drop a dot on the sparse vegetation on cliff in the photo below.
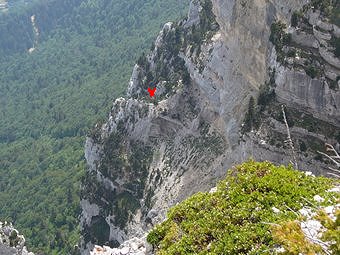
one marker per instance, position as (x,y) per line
(169,68)
(279,38)
(52,97)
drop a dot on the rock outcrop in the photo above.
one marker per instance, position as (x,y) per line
(153,153)
(11,242)
(308,71)
(134,246)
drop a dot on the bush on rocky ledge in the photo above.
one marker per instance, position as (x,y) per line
(239,217)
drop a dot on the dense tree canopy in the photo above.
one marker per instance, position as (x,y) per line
(50,98)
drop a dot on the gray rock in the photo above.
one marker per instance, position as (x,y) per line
(134,88)
(329,57)
(7,235)
(92,153)
(5,250)
(325,25)
(152,214)
(235,63)
(193,14)
(88,211)
(331,73)
(336,31)
(313,17)
(321,36)
(304,39)
(297,89)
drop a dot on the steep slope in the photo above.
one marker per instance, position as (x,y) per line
(51,97)
(153,153)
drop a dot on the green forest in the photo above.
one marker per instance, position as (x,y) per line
(52,97)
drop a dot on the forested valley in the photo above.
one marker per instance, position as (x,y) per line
(54,86)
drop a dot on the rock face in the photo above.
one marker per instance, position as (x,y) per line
(11,242)
(308,77)
(297,89)
(134,246)
(194,14)
(153,153)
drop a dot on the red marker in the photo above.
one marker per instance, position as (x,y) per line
(152,92)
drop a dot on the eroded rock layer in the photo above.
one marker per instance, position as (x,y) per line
(154,152)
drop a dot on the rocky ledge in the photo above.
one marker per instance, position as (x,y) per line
(11,242)
(134,246)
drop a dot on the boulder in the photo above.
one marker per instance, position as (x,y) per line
(329,57)
(304,39)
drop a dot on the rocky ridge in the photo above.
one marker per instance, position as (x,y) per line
(308,71)
(153,153)
(134,246)
(11,242)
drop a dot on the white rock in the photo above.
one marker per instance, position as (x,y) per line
(336,31)
(280,250)
(306,212)
(318,199)
(330,210)
(96,250)
(125,250)
(25,252)
(134,246)
(275,210)
(213,190)
(263,142)
(311,228)
(335,189)
(308,173)
(139,253)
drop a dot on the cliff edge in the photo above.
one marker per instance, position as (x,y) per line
(154,152)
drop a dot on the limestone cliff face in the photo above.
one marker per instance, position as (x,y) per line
(309,76)
(154,152)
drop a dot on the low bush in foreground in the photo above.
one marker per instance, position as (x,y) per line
(239,218)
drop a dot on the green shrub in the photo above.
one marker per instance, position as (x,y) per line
(279,38)
(267,95)
(234,220)
(312,71)
(291,53)
(13,239)
(295,18)
(251,118)
(303,146)
(277,33)
(335,42)
(337,137)
(335,15)
(293,239)
(324,5)
(332,234)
